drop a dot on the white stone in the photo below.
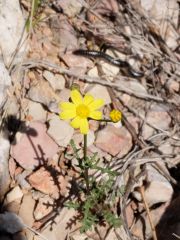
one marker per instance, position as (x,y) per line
(60,131)
(4,167)
(12,24)
(90,138)
(57,81)
(5,81)
(37,111)
(99,91)
(15,193)
(159,190)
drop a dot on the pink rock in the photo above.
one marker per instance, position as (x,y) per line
(44,207)
(34,146)
(49,181)
(114,140)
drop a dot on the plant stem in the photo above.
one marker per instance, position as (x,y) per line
(148,213)
(86,177)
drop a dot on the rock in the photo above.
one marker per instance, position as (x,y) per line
(93,72)
(62,27)
(114,141)
(35,140)
(109,70)
(36,111)
(40,91)
(21,179)
(56,81)
(71,8)
(90,138)
(26,209)
(12,167)
(11,27)
(44,207)
(77,64)
(142,226)
(4,168)
(5,81)
(13,206)
(14,194)
(158,117)
(172,85)
(60,130)
(160,12)
(158,190)
(99,91)
(65,217)
(55,185)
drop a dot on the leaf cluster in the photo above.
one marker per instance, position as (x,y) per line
(95,208)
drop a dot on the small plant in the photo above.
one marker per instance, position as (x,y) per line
(35,14)
(92,202)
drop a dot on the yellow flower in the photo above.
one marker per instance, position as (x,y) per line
(115,115)
(80,109)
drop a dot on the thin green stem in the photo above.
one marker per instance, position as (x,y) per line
(86,167)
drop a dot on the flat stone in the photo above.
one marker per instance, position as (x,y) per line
(14,194)
(99,91)
(31,149)
(157,184)
(54,185)
(27,209)
(114,140)
(60,131)
(158,117)
(56,81)
(4,168)
(44,206)
(42,92)
(36,111)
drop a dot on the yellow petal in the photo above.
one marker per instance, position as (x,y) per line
(76,97)
(75,123)
(96,115)
(68,114)
(67,106)
(88,99)
(96,104)
(84,126)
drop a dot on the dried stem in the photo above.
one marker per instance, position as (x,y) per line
(148,213)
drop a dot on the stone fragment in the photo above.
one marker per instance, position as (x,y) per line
(159,190)
(42,92)
(60,130)
(99,91)
(114,140)
(172,85)
(34,146)
(12,24)
(26,209)
(157,117)
(71,8)
(44,206)
(55,185)
(4,168)
(56,81)
(36,111)
(14,194)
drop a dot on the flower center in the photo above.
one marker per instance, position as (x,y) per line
(82,111)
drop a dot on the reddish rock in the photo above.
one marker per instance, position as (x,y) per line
(114,140)
(49,181)
(34,146)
